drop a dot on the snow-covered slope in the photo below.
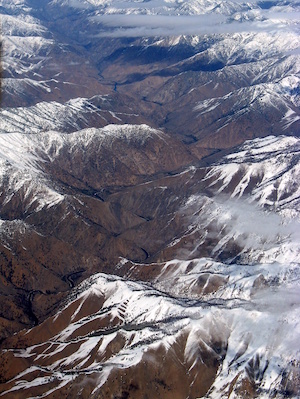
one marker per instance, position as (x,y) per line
(21,174)
(266,170)
(33,163)
(71,116)
(26,47)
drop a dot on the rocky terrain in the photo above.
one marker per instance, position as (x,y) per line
(149,201)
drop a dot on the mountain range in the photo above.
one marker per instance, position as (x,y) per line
(149,201)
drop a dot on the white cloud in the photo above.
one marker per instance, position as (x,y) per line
(135,25)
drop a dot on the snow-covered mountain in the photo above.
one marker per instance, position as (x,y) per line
(149,199)
(205,327)
(112,329)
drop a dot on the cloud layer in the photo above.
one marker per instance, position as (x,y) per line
(129,18)
(134,25)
